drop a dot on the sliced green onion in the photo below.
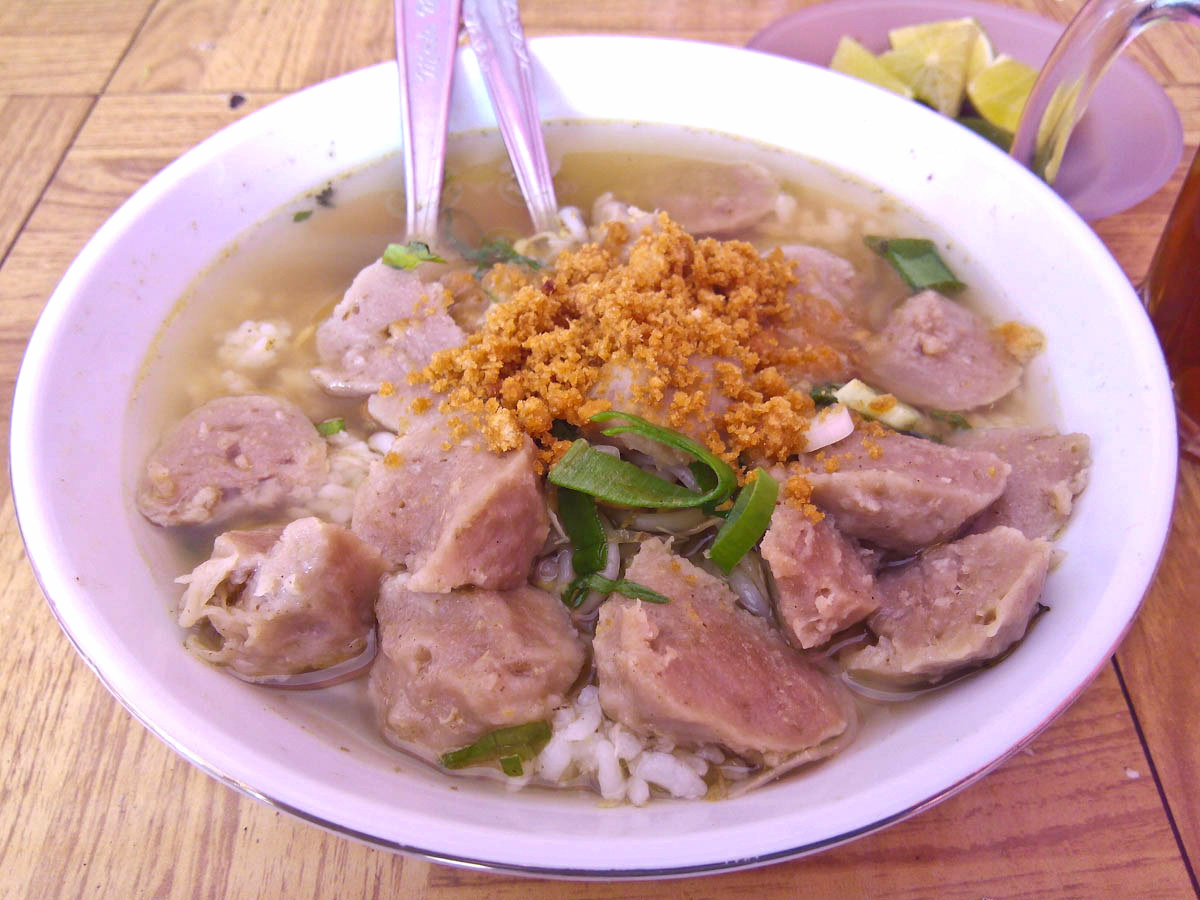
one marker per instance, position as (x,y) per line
(331,426)
(410,255)
(563,430)
(747,521)
(707,479)
(726,480)
(511,766)
(498,251)
(587,470)
(581,521)
(517,741)
(863,399)
(824,394)
(953,419)
(302,215)
(581,586)
(917,261)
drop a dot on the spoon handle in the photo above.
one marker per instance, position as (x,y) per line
(426,40)
(499,43)
(1093,39)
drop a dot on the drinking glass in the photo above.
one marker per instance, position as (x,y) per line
(1093,39)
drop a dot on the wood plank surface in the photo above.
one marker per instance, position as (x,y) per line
(1104,803)
(34,134)
(64,46)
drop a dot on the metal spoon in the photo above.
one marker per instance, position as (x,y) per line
(499,43)
(426,41)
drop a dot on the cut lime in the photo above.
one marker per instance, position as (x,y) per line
(983,54)
(852,58)
(932,60)
(982,51)
(999,92)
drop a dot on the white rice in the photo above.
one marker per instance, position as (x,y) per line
(254,346)
(586,747)
(350,459)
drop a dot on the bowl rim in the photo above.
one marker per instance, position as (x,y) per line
(37,531)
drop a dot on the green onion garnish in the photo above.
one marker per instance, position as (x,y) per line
(511,766)
(823,394)
(498,251)
(726,480)
(747,521)
(302,215)
(587,470)
(579,588)
(564,430)
(410,255)
(331,426)
(505,744)
(917,261)
(581,521)
(953,419)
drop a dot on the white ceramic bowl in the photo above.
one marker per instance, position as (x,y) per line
(107,573)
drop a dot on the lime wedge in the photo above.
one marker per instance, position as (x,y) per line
(932,59)
(852,58)
(982,52)
(999,92)
(899,38)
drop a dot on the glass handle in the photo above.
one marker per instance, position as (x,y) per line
(1092,41)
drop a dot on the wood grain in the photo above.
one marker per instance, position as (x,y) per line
(96,806)
(64,46)
(34,134)
(1160,660)
(247,45)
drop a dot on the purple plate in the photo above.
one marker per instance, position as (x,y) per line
(1127,145)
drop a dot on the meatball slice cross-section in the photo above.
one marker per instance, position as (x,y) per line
(274,602)
(388,324)
(955,606)
(454,667)
(701,670)
(1049,470)
(823,583)
(901,492)
(232,457)
(451,512)
(935,352)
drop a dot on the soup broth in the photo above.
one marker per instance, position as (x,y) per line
(266,298)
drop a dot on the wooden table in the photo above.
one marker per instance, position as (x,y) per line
(95,97)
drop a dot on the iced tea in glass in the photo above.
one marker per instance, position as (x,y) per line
(1171,293)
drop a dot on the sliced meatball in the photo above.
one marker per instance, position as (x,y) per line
(901,492)
(820,273)
(232,457)
(935,352)
(451,512)
(388,324)
(1049,470)
(706,197)
(701,670)
(453,667)
(715,197)
(277,601)
(624,385)
(955,606)
(823,583)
